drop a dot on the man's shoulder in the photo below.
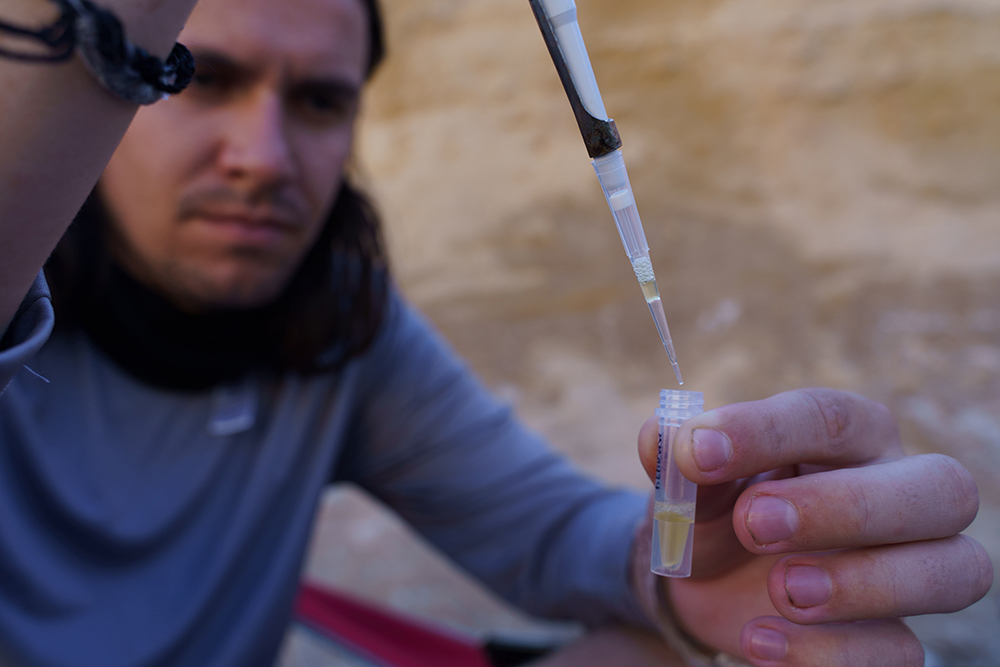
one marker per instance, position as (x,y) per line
(27,332)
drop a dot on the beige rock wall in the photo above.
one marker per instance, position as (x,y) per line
(819,181)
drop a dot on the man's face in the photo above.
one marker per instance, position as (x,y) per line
(217,194)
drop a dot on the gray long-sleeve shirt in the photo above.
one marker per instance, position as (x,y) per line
(140,526)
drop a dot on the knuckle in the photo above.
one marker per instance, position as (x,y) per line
(833,417)
(850,421)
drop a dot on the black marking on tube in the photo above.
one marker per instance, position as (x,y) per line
(599,136)
(659,455)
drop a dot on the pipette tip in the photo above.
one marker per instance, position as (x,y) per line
(672,356)
(656,310)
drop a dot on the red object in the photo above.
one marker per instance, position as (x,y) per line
(385,636)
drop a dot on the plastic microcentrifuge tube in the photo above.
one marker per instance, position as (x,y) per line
(674,499)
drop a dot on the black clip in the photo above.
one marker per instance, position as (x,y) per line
(600,136)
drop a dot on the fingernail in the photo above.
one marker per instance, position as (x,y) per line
(712,449)
(771,519)
(767,644)
(807,586)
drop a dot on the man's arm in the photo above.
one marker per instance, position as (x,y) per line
(453,462)
(58,129)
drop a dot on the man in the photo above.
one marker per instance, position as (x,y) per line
(231,343)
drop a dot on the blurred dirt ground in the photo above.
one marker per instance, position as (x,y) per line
(819,181)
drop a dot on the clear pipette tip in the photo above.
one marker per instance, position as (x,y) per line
(677,371)
(656,310)
(669,345)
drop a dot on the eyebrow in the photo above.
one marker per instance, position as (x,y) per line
(216,60)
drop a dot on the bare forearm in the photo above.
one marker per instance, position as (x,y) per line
(58,129)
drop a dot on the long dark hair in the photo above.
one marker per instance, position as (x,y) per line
(330,311)
(376,36)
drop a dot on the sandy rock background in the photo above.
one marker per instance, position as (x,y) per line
(819,181)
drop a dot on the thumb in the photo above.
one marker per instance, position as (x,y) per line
(716,547)
(713,501)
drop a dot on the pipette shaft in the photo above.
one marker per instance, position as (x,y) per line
(611,173)
(557,20)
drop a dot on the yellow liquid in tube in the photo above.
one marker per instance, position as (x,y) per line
(649,290)
(673,530)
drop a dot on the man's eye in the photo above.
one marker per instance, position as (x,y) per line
(324,107)
(210,80)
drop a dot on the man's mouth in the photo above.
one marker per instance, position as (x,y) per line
(254,222)
(245,228)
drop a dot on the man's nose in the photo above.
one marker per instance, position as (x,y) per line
(257,147)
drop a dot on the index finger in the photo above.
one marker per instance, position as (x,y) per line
(822,427)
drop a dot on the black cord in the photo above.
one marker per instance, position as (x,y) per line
(125,69)
(59,38)
(117,53)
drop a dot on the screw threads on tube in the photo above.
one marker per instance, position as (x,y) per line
(677,406)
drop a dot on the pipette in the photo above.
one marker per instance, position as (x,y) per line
(557,20)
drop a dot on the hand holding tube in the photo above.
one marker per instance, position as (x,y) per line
(815,533)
